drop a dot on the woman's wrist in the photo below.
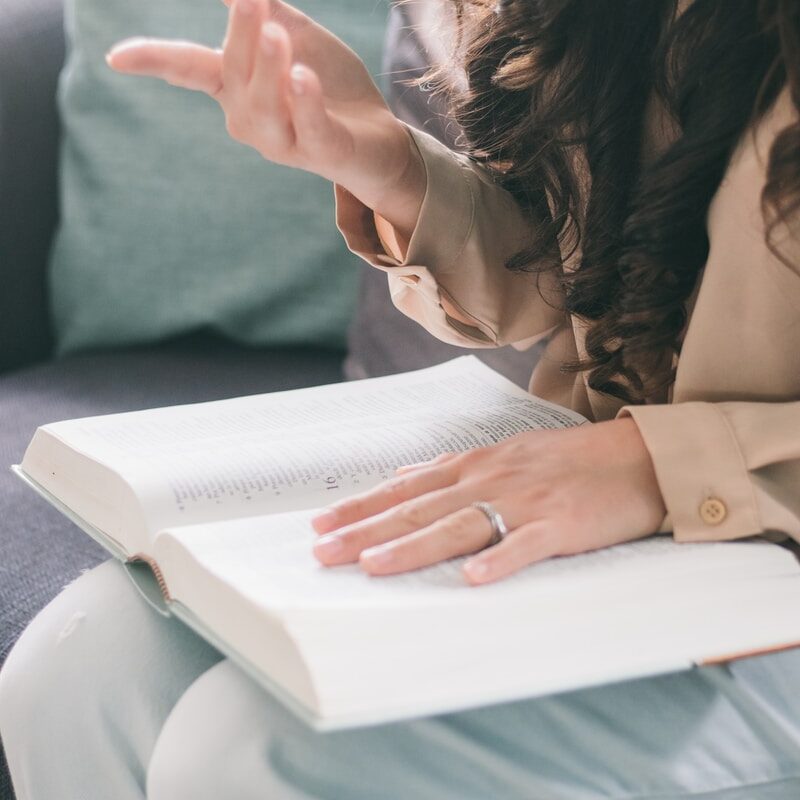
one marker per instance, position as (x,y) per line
(402,203)
(399,195)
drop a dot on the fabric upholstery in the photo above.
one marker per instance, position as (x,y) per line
(405,61)
(31,53)
(167,223)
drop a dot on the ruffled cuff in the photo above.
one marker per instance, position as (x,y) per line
(451,275)
(435,248)
(445,218)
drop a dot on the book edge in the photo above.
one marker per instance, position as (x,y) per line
(716,661)
(103,539)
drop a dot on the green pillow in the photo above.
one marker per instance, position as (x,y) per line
(167,225)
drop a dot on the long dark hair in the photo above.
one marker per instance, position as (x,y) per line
(552,97)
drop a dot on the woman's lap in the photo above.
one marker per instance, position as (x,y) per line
(101,691)
(663,738)
(86,690)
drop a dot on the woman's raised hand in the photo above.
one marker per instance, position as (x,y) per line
(293,91)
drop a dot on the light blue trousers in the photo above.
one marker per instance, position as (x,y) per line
(102,699)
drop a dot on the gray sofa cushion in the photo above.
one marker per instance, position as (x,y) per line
(31,51)
(405,61)
(39,550)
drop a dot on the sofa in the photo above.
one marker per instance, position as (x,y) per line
(40,552)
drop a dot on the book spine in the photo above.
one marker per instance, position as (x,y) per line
(157,574)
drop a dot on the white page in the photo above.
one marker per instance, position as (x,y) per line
(300,449)
(270,559)
(423,642)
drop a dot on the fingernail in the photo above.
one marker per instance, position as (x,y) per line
(328,546)
(270,34)
(476,570)
(298,79)
(126,44)
(324,521)
(380,556)
(415,465)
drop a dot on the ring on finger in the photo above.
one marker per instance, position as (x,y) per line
(499,528)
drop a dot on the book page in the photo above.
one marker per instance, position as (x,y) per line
(376,649)
(305,448)
(270,559)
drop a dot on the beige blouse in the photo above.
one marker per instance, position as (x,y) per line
(726,445)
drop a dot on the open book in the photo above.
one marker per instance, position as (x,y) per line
(215,499)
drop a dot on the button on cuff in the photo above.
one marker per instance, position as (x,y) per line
(702,474)
(713,511)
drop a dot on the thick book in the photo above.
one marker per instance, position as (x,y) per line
(209,507)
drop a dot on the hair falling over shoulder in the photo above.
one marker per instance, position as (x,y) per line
(553,96)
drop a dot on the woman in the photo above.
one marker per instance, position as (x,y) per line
(632,196)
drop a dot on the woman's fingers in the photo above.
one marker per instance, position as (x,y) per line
(262,90)
(438,527)
(184,64)
(440,459)
(268,91)
(346,544)
(388,495)
(241,42)
(526,545)
(315,132)
(458,534)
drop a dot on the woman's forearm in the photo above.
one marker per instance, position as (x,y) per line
(397,199)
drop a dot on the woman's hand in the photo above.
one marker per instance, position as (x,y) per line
(297,94)
(559,492)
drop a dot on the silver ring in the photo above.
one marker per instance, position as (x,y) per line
(499,527)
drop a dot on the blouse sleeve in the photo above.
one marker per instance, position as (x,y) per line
(451,276)
(731,468)
(725,470)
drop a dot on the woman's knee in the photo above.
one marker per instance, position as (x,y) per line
(53,682)
(217,742)
(227,737)
(59,653)
(96,657)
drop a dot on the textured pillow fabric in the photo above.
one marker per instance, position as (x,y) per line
(167,225)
